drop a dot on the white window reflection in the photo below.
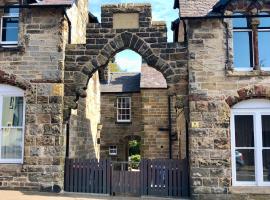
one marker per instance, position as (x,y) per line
(11,124)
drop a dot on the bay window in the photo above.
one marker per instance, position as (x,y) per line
(10,27)
(250,132)
(251,37)
(11,124)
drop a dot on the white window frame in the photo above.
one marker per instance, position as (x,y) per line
(8,15)
(7,90)
(256,108)
(113,150)
(124,120)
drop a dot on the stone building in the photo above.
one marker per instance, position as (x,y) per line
(34,35)
(134,106)
(228,65)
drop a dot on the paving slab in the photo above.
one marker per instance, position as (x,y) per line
(27,195)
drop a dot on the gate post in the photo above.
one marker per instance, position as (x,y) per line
(144,175)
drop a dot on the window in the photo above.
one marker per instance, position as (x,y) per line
(123,109)
(250,132)
(11,124)
(113,150)
(250,41)
(10,27)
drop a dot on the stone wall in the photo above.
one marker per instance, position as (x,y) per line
(38,60)
(78,15)
(114,133)
(84,123)
(209,86)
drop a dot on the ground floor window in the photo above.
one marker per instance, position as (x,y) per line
(11,124)
(250,131)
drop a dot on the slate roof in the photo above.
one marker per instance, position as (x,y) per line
(197,8)
(121,82)
(149,78)
(53,2)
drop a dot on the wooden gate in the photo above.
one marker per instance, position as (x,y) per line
(163,178)
(87,176)
(125,179)
(166,178)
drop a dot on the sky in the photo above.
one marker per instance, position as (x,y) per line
(162,10)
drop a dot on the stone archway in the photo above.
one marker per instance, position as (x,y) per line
(149,40)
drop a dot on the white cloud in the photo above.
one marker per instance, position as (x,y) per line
(129,61)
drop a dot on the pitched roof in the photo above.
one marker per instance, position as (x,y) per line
(53,2)
(151,78)
(121,82)
(196,8)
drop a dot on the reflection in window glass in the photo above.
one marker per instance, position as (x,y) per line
(239,22)
(11,143)
(242,49)
(10,29)
(264,21)
(244,131)
(245,166)
(264,48)
(12,112)
(266,165)
(266,130)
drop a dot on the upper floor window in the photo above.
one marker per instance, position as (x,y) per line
(251,37)
(10,26)
(11,124)
(250,132)
(123,109)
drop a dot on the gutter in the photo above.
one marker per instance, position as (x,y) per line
(222,17)
(170,127)
(36,6)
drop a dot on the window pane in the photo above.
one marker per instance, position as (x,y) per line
(239,22)
(11,11)
(12,111)
(244,136)
(242,49)
(266,165)
(10,29)
(264,48)
(266,130)
(11,145)
(245,168)
(264,21)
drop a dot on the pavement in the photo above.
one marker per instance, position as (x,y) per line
(27,195)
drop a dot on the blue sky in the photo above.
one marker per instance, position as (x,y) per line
(162,10)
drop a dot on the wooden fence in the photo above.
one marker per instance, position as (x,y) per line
(166,178)
(87,176)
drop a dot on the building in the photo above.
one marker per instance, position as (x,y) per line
(134,106)
(228,96)
(32,53)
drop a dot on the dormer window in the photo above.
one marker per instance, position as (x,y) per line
(10,27)
(251,37)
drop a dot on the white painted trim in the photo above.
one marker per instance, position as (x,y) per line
(7,90)
(121,120)
(1,38)
(248,107)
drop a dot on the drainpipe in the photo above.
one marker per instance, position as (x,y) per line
(67,139)
(69,26)
(170,127)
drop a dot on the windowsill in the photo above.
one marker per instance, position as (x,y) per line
(10,48)
(10,167)
(123,122)
(235,73)
(249,190)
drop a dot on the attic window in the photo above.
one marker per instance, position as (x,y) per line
(10,27)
